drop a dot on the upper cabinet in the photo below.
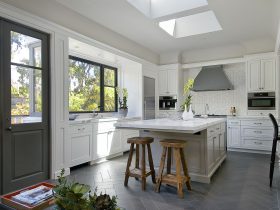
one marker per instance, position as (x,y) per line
(170,80)
(261,75)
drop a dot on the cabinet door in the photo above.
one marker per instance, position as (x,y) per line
(222,143)
(233,136)
(172,81)
(163,83)
(80,149)
(101,145)
(254,75)
(210,153)
(268,74)
(216,141)
(114,142)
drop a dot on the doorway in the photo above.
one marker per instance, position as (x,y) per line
(24,106)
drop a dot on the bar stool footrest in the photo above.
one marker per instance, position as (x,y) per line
(171,179)
(136,172)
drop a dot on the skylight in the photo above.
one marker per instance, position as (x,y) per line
(200,23)
(160,8)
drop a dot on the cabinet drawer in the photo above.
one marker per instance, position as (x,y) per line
(233,122)
(257,132)
(81,129)
(212,130)
(102,127)
(256,123)
(251,143)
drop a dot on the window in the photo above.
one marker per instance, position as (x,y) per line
(92,86)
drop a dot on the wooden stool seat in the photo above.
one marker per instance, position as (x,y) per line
(176,179)
(174,143)
(140,140)
(138,172)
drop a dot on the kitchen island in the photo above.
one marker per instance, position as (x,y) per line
(205,149)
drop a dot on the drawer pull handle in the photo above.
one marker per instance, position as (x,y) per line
(259,143)
(258,132)
(258,123)
(217,129)
(211,131)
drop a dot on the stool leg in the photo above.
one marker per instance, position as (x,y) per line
(185,168)
(128,164)
(169,160)
(137,159)
(143,164)
(178,173)
(151,163)
(161,167)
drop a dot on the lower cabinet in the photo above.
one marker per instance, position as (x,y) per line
(250,134)
(107,143)
(80,144)
(215,144)
(125,134)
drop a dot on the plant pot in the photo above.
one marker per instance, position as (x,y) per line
(123,112)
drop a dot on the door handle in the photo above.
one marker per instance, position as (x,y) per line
(9,128)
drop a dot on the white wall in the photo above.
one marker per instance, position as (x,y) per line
(220,101)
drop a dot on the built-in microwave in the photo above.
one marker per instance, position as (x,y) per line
(167,102)
(261,101)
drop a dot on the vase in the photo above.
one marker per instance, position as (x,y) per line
(123,112)
(187,114)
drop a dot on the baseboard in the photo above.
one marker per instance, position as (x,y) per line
(249,150)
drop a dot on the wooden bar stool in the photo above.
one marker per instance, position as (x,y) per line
(138,172)
(173,179)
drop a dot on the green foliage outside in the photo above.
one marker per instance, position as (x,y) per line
(84,93)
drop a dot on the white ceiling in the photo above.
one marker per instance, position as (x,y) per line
(242,21)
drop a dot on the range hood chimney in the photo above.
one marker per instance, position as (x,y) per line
(212,78)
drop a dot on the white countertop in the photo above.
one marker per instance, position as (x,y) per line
(103,119)
(169,125)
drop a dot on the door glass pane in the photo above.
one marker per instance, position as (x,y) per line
(25,50)
(26,95)
(109,99)
(109,77)
(84,90)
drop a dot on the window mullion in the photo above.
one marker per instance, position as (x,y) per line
(102,103)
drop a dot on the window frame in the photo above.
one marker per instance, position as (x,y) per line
(102,84)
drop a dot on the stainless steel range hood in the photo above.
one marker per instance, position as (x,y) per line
(212,78)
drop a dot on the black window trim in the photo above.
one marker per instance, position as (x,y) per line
(102,85)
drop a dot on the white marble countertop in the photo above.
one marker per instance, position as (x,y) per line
(169,125)
(102,119)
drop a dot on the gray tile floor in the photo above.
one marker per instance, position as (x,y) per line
(240,183)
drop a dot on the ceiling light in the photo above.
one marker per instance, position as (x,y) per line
(168,26)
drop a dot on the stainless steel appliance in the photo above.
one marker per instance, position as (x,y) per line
(149,98)
(261,101)
(167,102)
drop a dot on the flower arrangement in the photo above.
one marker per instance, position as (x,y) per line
(187,89)
(76,196)
(124,93)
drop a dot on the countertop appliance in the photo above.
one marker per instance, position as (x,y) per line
(261,101)
(167,102)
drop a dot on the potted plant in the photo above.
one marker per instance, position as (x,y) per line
(186,106)
(122,94)
(76,196)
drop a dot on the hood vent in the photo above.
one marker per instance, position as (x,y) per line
(212,78)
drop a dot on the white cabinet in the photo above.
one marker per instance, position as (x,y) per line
(261,75)
(168,82)
(233,136)
(125,134)
(250,134)
(80,144)
(106,143)
(210,152)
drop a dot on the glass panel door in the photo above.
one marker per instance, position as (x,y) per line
(26,79)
